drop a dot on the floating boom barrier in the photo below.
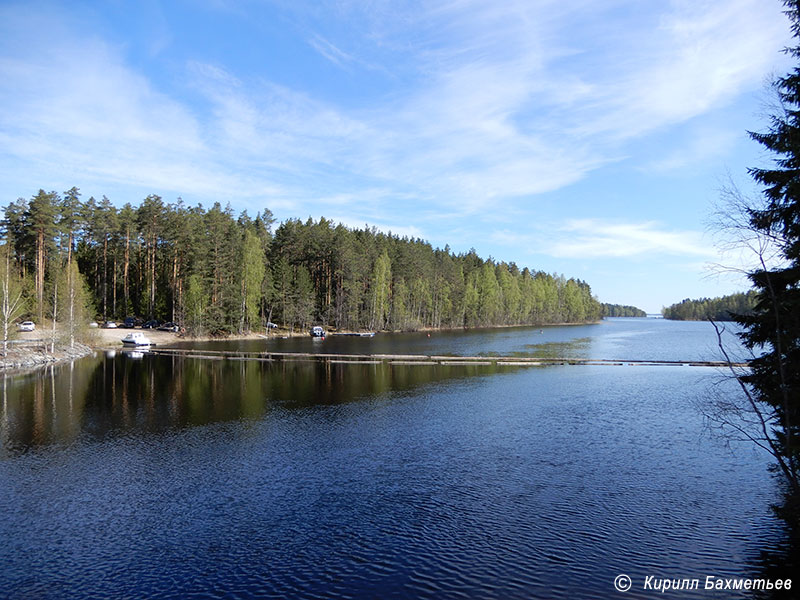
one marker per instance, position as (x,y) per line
(426,360)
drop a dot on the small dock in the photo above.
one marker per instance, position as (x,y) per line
(425,360)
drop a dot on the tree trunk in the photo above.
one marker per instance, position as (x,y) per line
(126,265)
(105,275)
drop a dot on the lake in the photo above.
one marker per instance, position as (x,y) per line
(146,476)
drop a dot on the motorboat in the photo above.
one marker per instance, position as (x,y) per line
(317,332)
(137,339)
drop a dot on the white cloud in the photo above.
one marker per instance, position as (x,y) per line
(497,101)
(702,145)
(588,239)
(329,51)
(582,238)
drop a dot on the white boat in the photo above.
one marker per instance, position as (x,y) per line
(317,332)
(136,338)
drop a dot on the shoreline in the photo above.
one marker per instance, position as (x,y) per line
(24,356)
(31,356)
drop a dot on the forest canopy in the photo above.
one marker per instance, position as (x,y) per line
(622,310)
(716,309)
(212,271)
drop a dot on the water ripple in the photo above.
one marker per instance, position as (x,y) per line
(532,483)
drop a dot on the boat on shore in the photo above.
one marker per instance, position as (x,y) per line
(136,339)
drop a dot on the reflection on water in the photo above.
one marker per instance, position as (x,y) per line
(576,348)
(45,405)
(138,390)
(781,560)
(168,477)
(617,339)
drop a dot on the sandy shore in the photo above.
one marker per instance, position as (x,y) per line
(111,338)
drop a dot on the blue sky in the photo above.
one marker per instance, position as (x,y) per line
(584,137)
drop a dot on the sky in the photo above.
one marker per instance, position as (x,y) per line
(585,137)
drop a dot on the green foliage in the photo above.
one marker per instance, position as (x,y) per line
(13,302)
(216,273)
(723,308)
(622,310)
(74,306)
(381,286)
(196,302)
(253,270)
(772,327)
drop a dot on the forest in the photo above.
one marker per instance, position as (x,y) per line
(622,310)
(214,272)
(716,309)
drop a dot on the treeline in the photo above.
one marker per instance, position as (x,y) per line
(718,309)
(622,310)
(212,271)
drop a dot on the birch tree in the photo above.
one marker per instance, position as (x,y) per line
(12,301)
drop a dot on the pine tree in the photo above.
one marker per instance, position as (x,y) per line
(774,325)
(40,225)
(381,287)
(69,220)
(150,217)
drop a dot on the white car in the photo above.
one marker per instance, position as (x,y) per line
(27,326)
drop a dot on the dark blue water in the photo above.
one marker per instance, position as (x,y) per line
(164,477)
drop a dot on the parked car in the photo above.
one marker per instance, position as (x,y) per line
(27,326)
(129,323)
(94,324)
(152,324)
(174,327)
(109,325)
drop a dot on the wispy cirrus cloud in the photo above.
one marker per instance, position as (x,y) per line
(330,52)
(485,102)
(594,238)
(591,239)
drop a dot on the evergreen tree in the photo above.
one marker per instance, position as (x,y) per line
(303,298)
(143,260)
(282,282)
(774,324)
(69,220)
(40,227)
(126,232)
(381,285)
(150,218)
